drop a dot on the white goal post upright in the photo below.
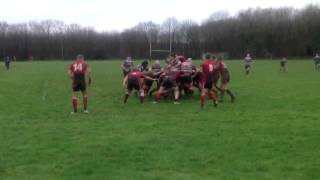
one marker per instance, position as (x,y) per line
(169,51)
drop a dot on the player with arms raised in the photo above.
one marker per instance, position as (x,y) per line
(78,71)
(208,70)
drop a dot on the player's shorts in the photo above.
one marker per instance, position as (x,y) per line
(133,83)
(168,83)
(208,82)
(247,66)
(185,79)
(283,64)
(79,84)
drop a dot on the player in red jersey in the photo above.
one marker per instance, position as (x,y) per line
(135,80)
(208,88)
(225,79)
(78,71)
(169,84)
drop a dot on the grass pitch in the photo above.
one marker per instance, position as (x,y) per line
(271,132)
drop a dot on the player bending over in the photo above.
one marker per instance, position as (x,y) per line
(248,63)
(208,68)
(317,61)
(169,84)
(225,79)
(78,71)
(188,70)
(134,80)
(156,71)
(283,64)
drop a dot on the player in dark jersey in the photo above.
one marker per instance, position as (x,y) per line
(134,81)
(127,66)
(7,61)
(225,79)
(317,61)
(208,88)
(283,64)
(144,66)
(78,71)
(169,84)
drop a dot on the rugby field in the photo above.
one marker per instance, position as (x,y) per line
(271,132)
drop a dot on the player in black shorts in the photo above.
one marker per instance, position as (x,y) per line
(283,64)
(78,71)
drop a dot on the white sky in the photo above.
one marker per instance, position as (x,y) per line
(121,14)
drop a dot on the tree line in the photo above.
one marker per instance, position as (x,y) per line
(265,33)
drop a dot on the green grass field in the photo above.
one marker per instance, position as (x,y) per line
(271,132)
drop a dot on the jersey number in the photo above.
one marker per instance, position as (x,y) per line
(77,67)
(210,67)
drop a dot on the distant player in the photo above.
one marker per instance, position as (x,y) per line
(78,71)
(208,70)
(169,84)
(134,81)
(127,66)
(283,64)
(225,79)
(248,63)
(7,61)
(317,61)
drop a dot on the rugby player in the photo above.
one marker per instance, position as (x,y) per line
(188,70)
(208,70)
(225,79)
(78,71)
(317,61)
(134,80)
(7,61)
(127,66)
(144,66)
(283,64)
(156,71)
(169,84)
(247,63)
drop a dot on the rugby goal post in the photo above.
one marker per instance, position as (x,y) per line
(159,51)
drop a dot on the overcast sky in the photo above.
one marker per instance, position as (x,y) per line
(121,14)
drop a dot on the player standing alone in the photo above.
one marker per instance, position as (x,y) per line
(317,61)
(208,70)
(7,62)
(78,71)
(283,64)
(247,63)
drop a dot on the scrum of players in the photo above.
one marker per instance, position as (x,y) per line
(179,76)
